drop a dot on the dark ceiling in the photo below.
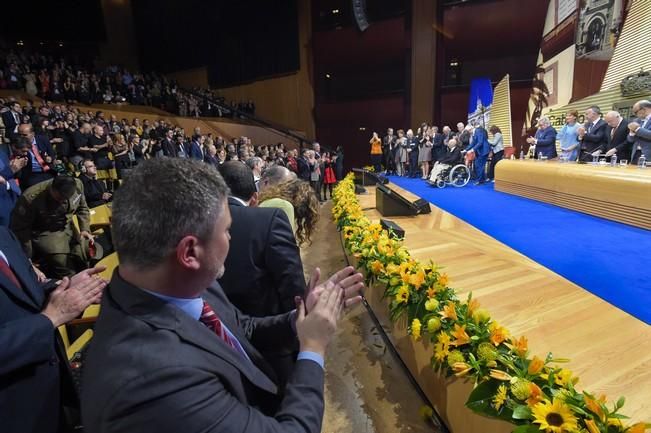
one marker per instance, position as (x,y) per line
(486,29)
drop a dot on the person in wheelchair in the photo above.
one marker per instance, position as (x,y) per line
(449,160)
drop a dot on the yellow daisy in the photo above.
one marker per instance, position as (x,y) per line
(554,417)
(441,352)
(403,295)
(500,398)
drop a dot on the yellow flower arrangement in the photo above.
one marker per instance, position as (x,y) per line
(542,395)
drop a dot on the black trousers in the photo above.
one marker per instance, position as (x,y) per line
(497,157)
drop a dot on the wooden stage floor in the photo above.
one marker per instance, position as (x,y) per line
(609,349)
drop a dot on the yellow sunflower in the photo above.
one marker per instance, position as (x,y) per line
(500,398)
(554,417)
(403,295)
(441,352)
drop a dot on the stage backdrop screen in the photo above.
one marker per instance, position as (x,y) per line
(480,102)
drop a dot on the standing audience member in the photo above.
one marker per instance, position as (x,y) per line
(402,153)
(425,153)
(497,148)
(568,137)
(388,147)
(412,150)
(329,177)
(196,353)
(339,162)
(305,165)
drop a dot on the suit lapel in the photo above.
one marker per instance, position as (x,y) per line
(159,314)
(29,293)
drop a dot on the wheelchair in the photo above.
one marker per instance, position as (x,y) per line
(457,176)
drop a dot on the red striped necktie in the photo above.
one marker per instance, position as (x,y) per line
(6,270)
(212,322)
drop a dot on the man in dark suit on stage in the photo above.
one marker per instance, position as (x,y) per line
(593,136)
(169,355)
(545,139)
(264,271)
(35,383)
(617,134)
(640,131)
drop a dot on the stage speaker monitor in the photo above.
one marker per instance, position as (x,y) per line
(359,11)
(366,178)
(422,206)
(359,189)
(395,231)
(390,203)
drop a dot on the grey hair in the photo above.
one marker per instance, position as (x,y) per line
(160,202)
(644,103)
(275,175)
(545,120)
(253,161)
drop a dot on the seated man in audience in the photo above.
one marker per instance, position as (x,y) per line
(197,367)
(39,156)
(449,160)
(640,131)
(81,148)
(593,136)
(34,371)
(99,146)
(617,133)
(94,190)
(42,222)
(264,271)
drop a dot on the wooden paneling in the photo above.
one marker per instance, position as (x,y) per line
(501,110)
(617,193)
(588,76)
(631,53)
(608,348)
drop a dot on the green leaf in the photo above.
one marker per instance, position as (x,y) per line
(484,391)
(521,412)
(527,428)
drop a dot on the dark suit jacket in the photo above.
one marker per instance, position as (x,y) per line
(596,139)
(169,147)
(546,143)
(304,168)
(618,140)
(9,196)
(452,157)
(93,191)
(27,177)
(194,151)
(152,368)
(44,146)
(10,123)
(263,267)
(31,382)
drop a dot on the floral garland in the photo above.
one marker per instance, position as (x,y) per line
(533,393)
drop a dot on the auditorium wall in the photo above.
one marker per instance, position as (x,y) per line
(119,47)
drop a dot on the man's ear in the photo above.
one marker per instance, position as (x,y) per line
(253,201)
(187,252)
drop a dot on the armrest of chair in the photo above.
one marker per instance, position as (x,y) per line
(79,344)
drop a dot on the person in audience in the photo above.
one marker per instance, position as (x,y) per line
(617,136)
(481,148)
(376,152)
(338,159)
(198,362)
(497,149)
(640,131)
(121,150)
(317,172)
(256,165)
(425,153)
(196,147)
(273,176)
(42,222)
(544,140)
(168,144)
(94,190)
(264,271)
(37,393)
(304,204)
(9,189)
(21,158)
(464,136)
(388,146)
(412,150)
(211,157)
(568,137)
(12,119)
(41,157)
(80,144)
(99,147)
(593,136)
(329,177)
(449,160)
(402,154)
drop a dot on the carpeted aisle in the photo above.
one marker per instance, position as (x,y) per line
(607,258)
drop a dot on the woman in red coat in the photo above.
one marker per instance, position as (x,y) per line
(329,177)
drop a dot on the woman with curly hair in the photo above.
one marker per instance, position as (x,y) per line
(304,202)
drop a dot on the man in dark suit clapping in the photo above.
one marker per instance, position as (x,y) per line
(617,133)
(35,383)
(170,352)
(593,136)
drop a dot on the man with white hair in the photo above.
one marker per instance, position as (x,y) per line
(640,131)
(593,136)
(617,134)
(545,139)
